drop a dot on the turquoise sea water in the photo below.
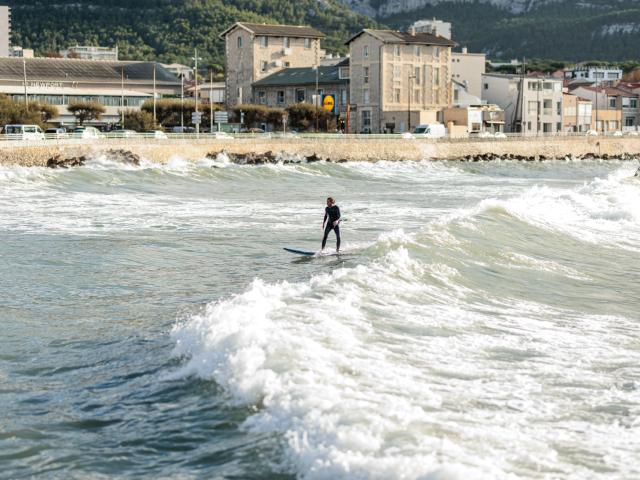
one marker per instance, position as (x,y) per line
(485,323)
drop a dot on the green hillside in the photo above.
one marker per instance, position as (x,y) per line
(563,30)
(168,30)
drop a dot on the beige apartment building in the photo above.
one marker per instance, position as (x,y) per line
(254,51)
(398,80)
(577,113)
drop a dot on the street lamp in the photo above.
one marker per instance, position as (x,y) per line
(411,78)
(195,71)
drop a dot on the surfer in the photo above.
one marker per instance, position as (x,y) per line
(332,214)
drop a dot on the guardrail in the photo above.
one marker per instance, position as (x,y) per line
(163,137)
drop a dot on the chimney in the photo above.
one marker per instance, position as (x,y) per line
(464,50)
(412,31)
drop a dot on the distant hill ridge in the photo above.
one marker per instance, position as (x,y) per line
(559,29)
(168,30)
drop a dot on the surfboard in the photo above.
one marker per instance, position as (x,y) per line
(300,252)
(304,253)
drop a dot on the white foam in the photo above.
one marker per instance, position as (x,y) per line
(377,372)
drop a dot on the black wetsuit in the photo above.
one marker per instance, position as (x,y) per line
(333,214)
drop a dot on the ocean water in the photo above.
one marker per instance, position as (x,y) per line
(484,322)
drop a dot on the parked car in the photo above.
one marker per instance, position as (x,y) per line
(180,129)
(24,132)
(159,134)
(56,132)
(591,133)
(632,133)
(499,135)
(222,136)
(483,134)
(617,133)
(87,132)
(122,133)
(430,130)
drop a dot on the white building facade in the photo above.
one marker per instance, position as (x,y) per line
(532,105)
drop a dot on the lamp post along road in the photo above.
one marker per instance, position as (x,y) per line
(411,77)
(195,58)
(122,97)
(211,100)
(24,68)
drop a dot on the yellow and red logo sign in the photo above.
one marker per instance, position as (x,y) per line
(329,103)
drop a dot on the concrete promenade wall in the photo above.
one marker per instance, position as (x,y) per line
(351,149)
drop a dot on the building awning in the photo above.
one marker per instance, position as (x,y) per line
(107,92)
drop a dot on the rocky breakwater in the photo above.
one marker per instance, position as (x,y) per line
(488,157)
(268,157)
(122,156)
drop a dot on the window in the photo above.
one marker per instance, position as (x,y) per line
(416,74)
(629,122)
(416,96)
(366,74)
(300,95)
(559,108)
(365,51)
(436,76)
(264,66)
(264,42)
(486,86)
(286,42)
(343,97)
(262,96)
(396,95)
(546,128)
(529,126)
(612,102)
(633,103)
(397,71)
(343,72)
(533,107)
(417,51)
(613,125)
(558,127)
(280,97)
(547,86)
(396,50)
(436,52)
(287,64)
(307,44)
(456,96)
(365,96)
(366,119)
(239,42)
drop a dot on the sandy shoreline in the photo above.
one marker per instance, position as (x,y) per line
(348,149)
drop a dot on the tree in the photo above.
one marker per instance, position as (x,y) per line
(84,111)
(45,110)
(168,110)
(138,120)
(33,114)
(303,116)
(255,114)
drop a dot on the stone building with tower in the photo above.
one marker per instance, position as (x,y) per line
(255,51)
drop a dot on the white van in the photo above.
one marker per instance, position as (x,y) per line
(23,132)
(430,130)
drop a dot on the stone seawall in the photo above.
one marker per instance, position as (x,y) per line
(341,149)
